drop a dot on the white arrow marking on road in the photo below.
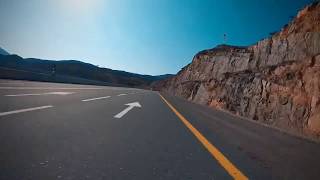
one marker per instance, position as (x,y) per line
(131,106)
(40,94)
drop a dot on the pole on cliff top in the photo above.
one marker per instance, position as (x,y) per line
(224,38)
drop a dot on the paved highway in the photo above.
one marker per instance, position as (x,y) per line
(63,131)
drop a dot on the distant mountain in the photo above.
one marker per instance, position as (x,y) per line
(71,71)
(3,52)
(161,77)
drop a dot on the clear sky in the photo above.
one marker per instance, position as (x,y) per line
(142,36)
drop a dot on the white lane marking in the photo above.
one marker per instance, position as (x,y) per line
(24,110)
(41,94)
(61,88)
(126,110)
(122,94)
(12,83)
(61,93)
(92,99)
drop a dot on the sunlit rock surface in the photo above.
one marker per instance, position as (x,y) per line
(276,81)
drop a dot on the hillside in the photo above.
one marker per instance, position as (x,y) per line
(3,52)
(71,71)
(276,81)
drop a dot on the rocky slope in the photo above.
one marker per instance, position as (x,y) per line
(276,81)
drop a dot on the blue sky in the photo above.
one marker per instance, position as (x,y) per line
(142,36)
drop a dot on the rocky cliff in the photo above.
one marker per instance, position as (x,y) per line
(276,81)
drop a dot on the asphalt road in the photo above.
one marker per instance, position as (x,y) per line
(63,131)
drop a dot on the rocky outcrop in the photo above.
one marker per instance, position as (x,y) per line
(276,81)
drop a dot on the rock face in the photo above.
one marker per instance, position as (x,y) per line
(276,81)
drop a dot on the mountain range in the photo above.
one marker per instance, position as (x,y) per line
(3,52)
(69,71)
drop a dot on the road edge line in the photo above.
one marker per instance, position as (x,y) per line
(222,160)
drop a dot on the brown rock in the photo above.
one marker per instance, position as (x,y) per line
(276,81)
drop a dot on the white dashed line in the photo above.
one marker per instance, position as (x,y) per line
(24,110)
(12,83)
(41,94)
(122,94)
(55,88)
(86,100)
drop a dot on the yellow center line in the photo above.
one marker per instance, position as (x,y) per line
(223,161)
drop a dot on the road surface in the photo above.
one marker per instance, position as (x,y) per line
(63,131)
